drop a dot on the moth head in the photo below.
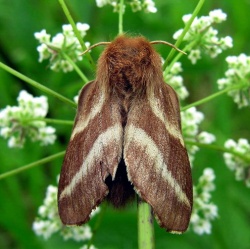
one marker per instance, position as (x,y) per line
(130,62)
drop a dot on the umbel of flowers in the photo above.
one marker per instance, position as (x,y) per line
(26,121)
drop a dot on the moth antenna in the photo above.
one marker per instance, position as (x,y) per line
(169,44)
(95,45)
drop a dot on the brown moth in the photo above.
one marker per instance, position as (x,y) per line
(127,138)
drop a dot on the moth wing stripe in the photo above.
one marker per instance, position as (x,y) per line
(108,136)
(171,128)
(141,138)
(82,124)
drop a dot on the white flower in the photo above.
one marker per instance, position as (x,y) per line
(67,31)
(136,5)
(42,36)
(204,210)
(82,27)
(201,227)
(65,66)
(49,223)
(217,16)
(58,40)
(177,34)
(194,55)
(44,228)
(19,122)
(14,142)
(43,52)
(61,44)
(149,6)
(187,17)
(237,78)
(206,36)
(176,68)
(47,135)
(5,132)
(238,160)
(77,233)
(176,81)
(226,42)
(101,3)
(207,180)
(76,98)
(206,138)
(191,118)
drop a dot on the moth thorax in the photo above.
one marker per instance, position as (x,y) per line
(129,69)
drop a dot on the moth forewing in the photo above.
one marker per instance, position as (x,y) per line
(93,153)
(156,159)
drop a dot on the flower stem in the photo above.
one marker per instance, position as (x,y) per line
(185,30)
(32,165)
(177,58)
(120,25)
(214,95)
(145,226)
(76,31)
(53,121)
(37,85)
(77,69)
(244,157)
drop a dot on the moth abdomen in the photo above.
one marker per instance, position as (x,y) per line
(121,190)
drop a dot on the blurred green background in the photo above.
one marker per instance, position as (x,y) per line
(22,194)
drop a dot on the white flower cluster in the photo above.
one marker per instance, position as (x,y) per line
(203,36)
(65,42)
(237,75)
(176,81)
(136,5)
(240,165)
(49,222)
(19,122)
(191,119)
(203,210)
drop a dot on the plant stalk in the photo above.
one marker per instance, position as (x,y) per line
(145,226)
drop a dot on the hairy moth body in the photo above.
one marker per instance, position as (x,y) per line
(127,136)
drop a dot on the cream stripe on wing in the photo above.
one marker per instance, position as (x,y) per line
(171,128)
(82,124)
(111,135)
(140,137)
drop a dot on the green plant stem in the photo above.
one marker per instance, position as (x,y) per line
(177,58)
(120,25)
(185,30)
(215,95)
(54,121)
(31,165)
(244,157)
(145,226)
(77,69)
(37,85)
(76,31)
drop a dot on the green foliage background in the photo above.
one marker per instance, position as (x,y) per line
(21,195)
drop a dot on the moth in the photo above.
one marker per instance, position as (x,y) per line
(127,139)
